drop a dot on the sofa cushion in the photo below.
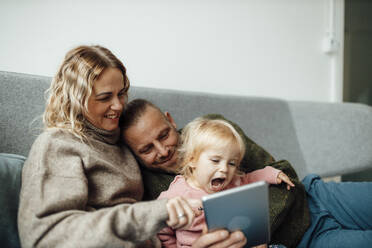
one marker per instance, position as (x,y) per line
(10,183)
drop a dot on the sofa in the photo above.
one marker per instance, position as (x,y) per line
(329,139)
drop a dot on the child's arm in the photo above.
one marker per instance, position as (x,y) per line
(270,175)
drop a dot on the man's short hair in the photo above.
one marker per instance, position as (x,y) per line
(132,113)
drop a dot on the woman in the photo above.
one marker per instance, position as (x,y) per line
(79,188)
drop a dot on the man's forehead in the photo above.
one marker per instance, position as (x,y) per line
(146,128)
(151,118)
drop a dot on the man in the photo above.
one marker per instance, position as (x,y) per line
(153,138)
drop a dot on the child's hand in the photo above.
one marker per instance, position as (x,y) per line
(282,177)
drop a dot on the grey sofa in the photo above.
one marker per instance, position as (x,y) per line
(325,138)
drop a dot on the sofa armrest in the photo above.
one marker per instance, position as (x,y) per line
(335,138)
(10,184)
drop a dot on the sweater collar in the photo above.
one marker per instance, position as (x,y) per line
(110,137)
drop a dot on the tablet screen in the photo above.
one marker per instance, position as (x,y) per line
(244,208)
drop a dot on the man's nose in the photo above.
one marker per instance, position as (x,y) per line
(162,149)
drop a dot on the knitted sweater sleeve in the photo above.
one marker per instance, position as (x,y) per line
(55,211)
(167,235)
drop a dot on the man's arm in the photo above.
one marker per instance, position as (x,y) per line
(155,182)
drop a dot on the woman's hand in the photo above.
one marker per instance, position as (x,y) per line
(181,213)
(282,177)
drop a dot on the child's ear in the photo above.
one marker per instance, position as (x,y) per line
(191,163)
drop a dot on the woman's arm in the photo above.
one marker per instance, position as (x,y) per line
(55,208)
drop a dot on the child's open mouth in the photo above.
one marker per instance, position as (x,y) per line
(217,184)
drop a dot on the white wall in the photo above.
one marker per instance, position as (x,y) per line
(246,47)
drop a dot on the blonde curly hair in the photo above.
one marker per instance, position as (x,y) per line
(71,87)
(201,134)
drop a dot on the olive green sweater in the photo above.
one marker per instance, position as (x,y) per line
(289,211)
(78,194)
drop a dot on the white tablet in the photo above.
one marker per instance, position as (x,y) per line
(244,208)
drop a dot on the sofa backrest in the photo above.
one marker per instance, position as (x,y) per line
(22,102)
(265,120)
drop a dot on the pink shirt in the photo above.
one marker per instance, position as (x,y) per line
(179,187)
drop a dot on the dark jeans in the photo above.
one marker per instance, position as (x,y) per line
(341,214)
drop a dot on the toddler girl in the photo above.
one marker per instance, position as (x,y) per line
(209,157)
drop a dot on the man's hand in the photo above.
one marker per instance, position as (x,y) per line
(260,246)
(221,239)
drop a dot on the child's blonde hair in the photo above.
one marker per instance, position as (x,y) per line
(203,133)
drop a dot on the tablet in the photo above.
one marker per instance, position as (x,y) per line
(244,208)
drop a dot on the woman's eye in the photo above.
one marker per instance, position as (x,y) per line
(215,161)
(104,99)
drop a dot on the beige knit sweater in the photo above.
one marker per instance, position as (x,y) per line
(79,195)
